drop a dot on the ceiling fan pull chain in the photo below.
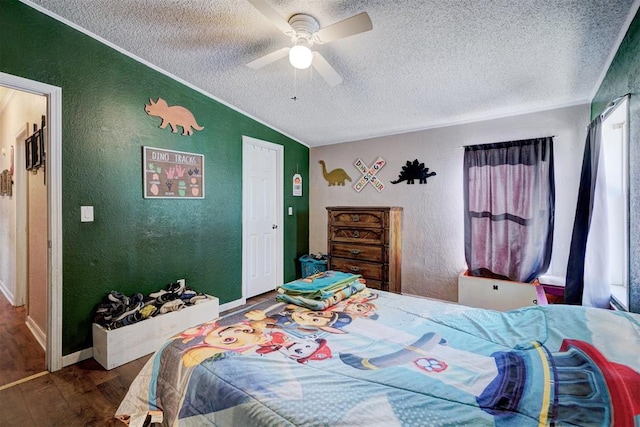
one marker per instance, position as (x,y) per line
(295,84)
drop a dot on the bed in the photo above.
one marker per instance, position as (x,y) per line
(382,359)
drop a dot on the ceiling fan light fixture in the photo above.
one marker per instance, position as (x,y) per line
(304,32)
(300,57)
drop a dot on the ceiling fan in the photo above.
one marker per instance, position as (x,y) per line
(304,31)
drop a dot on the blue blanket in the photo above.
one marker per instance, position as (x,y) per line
(319,286)
(323,304)
(381,359)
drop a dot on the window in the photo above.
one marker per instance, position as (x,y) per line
(615,138)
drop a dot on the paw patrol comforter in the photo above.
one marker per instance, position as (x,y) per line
(381,359)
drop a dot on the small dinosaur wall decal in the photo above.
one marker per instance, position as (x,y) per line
(412,171)
(336,176)
(173,116)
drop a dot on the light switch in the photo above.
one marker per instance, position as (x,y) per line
(290,210)
(86,213)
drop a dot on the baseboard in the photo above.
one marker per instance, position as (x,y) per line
(231,305)
(7,293)
(78,356)
(38,333)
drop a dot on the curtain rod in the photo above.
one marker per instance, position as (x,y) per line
(609,108)
(461,147)
(612,104)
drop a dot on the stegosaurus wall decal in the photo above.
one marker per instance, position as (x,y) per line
(412,171)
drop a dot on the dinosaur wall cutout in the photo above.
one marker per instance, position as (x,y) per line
(173,116)
(335,177)
(412,171)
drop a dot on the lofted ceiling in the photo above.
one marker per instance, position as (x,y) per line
(425,63)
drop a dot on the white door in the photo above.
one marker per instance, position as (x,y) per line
(262,216)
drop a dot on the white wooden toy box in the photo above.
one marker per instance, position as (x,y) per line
(112,348)
(497,294)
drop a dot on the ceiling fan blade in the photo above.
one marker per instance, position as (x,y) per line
(269,58)
(348,27)
(325,70)
(272,15)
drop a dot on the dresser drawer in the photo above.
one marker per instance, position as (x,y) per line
(376,284)
(354,218)
(372,236)
(367,253)
(368,270)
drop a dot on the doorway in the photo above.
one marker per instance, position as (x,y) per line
(262,236)
(23,248)
(52,301)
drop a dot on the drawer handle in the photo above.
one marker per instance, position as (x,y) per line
(354,269)
(356,234)
(355,218)
(354,251)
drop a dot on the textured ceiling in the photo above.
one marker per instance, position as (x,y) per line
(426,63)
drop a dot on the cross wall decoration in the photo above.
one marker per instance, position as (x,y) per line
(369,175)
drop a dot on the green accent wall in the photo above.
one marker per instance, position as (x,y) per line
(623,77)
(137,244)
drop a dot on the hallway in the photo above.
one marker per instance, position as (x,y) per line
(20,354)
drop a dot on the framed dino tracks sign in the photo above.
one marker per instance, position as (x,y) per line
(171,174)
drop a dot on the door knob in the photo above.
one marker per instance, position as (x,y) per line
(274,226)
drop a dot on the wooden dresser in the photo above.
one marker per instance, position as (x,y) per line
(367,241)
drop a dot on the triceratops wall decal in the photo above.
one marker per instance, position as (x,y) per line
(173,115)
(412,171)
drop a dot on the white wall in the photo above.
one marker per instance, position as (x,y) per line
(7,204)
(433,227)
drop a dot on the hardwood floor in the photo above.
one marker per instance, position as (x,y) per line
(20,353)
(84,394)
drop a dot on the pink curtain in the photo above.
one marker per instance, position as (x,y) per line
(509,208)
